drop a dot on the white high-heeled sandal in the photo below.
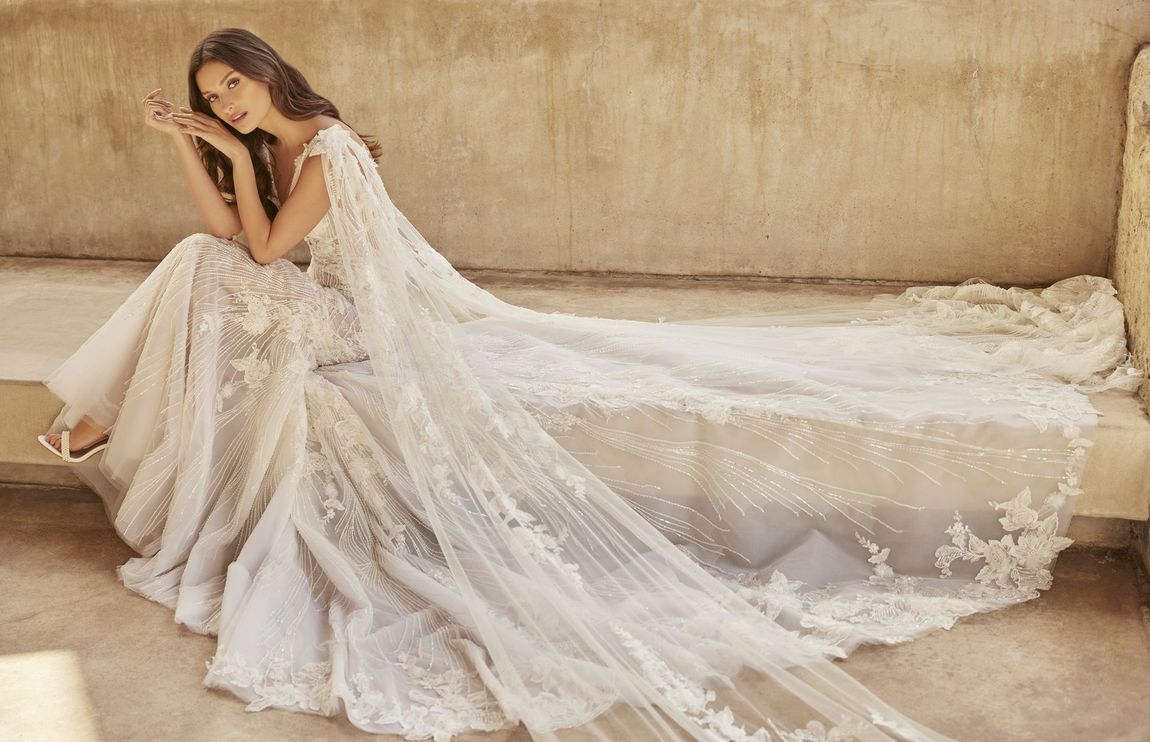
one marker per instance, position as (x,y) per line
(65,452)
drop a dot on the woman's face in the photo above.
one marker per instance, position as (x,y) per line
(231,94)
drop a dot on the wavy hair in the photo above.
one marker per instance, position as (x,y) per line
(290,92)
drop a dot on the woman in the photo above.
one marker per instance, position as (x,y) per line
(396,497)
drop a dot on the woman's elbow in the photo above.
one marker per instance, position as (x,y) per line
(262,256)
(224,231)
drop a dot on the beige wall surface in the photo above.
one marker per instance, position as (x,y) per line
(1131,266)
(920,140)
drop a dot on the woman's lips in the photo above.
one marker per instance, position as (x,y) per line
(241,118)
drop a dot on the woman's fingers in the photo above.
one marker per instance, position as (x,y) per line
(158,109)
(187,121)
(156,106)
(157,112)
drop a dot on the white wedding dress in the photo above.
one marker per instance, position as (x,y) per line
(397,498)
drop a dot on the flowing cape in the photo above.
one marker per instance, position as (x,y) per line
(585,610)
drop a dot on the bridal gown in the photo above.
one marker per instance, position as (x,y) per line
(396,498)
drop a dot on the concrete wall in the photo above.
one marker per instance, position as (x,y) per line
(1131,266)
(921,140)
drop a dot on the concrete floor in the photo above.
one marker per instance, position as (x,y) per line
(82,658)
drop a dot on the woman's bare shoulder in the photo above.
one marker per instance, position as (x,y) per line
(326,122)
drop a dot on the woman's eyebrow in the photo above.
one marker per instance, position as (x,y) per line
(221,82)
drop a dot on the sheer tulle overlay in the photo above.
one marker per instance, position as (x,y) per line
(398,498)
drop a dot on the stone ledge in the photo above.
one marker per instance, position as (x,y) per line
(39,335)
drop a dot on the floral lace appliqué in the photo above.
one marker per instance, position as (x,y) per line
(1021,565)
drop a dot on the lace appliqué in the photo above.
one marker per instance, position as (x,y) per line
(357,453)
(533,538)
(816,731)
(255,369)
(901,608)
(1046,404)
(694,700)
(278,685)
(438,705)
(688,696)
(1022,566)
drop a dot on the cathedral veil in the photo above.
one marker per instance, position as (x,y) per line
(586,614)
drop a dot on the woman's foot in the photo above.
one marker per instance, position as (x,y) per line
(82,436)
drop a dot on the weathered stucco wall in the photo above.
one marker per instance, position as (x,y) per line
(904,139)
(1131,266)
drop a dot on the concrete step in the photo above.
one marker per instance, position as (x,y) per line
(50,306)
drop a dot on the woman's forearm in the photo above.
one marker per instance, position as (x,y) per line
(220,217)
(257,226)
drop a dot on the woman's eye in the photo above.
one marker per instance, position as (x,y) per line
(234,79)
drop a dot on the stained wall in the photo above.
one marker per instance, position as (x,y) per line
(897,140)
(1131,265)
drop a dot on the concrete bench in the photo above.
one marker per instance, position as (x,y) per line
(51,305)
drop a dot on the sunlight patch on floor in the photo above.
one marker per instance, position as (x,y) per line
(43,696)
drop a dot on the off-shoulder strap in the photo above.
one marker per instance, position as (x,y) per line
(328,140)
(325,140)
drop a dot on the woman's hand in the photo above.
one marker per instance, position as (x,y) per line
(211,130)
(158,113)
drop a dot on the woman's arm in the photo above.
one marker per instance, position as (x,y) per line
(221,218)
(305,206)
(303,209)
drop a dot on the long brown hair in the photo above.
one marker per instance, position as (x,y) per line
(251,56)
